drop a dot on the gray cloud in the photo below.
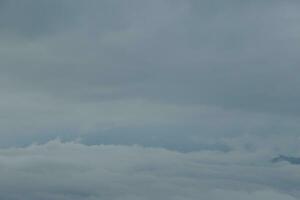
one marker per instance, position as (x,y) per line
(234,55)
(202,73)
(33,19)
(166,99)
(216,80)
(73,171)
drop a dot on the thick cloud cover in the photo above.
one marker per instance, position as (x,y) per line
(74,171)
(207,88)
(127,72)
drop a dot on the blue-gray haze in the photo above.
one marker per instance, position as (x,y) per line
(160,99)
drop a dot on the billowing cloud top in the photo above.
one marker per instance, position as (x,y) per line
(184,76)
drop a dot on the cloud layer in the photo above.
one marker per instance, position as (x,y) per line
(74,171)
(208,90)
(147,71)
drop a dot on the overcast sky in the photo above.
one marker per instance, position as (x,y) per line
(191,82)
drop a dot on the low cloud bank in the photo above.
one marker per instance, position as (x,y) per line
(64,171)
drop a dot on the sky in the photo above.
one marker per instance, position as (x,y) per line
(161,99)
